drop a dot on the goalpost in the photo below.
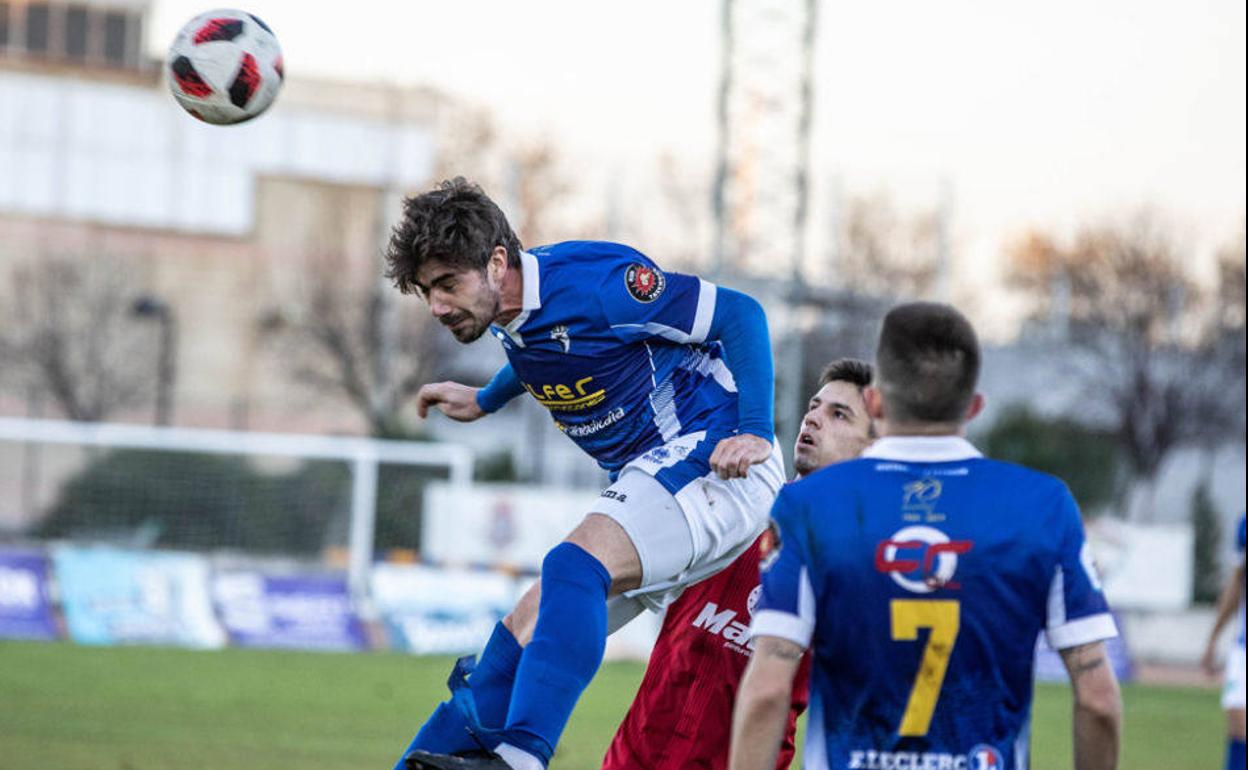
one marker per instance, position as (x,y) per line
(362,457)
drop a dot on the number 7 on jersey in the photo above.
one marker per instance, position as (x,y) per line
(943,617)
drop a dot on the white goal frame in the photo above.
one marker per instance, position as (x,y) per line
(363,454)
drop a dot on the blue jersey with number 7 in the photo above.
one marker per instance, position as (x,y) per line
(921,575)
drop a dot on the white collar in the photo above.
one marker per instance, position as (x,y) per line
(922,449)
(531,299)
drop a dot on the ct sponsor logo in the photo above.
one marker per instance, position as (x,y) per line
(920,559)
(984,757)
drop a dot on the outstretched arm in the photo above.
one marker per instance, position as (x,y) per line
(640,302)
(1228,602)
(465,403)
(740,325)
(1098,707)
(762,709)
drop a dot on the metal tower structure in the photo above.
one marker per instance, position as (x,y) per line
(761,179)
(760,195)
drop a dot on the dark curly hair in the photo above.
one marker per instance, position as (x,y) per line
(456,224)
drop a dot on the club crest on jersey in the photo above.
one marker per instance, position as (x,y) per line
(560,335)
(769,547)
(644,283)
(921,559)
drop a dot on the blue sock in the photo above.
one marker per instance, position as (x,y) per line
(446,730)
(1235,754)
(565,653)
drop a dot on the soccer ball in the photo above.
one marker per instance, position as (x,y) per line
(225,66)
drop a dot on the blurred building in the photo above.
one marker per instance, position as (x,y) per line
(216,222)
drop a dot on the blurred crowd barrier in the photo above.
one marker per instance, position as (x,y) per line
(105,595)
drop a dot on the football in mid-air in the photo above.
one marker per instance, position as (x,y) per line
(225,66)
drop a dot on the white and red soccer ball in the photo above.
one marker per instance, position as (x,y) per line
(225,66)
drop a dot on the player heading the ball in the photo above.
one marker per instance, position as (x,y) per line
(664,378)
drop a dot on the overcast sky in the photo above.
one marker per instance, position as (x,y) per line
(1042,114)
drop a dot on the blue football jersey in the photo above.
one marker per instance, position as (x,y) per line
(616,349)
(921,575)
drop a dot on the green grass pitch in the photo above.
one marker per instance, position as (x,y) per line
(79,708)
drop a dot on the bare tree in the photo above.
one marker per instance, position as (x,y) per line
(526,175)
(1151,352)
(540,188)
(885,253)
(332,340)
(70,332)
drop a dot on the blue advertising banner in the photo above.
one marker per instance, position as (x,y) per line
(307,612)
(429,610)
(25,603)
(1049,666)
(116,596)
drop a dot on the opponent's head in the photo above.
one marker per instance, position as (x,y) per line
(836,426)
(926,367)
(455,247)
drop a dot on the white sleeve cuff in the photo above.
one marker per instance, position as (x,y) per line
(782,625)
(1093,628)
(705,312)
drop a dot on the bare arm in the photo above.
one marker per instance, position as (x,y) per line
(762,709)
(459,402)
(1098,707)
(1228,602)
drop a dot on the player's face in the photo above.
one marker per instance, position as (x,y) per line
(836,427)
(464,301)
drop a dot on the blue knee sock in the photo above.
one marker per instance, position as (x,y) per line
(565,653)
(1235,754)
(446,730)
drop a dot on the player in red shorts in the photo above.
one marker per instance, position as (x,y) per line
(681,718)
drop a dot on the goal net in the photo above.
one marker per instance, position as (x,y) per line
(330,500)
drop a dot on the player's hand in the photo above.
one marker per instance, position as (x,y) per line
(1208,661)
(459,402)
(734,455)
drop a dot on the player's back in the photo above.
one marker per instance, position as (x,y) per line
(930,582)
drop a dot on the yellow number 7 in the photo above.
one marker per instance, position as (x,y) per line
(944,618)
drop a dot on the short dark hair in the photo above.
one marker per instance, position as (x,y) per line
(456,224)
(851,370)
(927,363)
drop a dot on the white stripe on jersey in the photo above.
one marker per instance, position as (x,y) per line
(1022,746)
(705,312)
(663,402)
(660,330)
(1057,599)
(715,368)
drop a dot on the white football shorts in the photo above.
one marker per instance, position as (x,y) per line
(1233,691)
(686,537)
